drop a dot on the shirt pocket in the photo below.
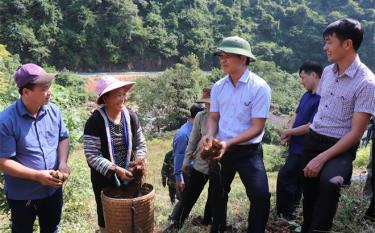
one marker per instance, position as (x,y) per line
(344,106)
(244,110)
(52,136)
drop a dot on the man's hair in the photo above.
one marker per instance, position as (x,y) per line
(29,86)
(247,59)
(345,29)
(195,108)
(311,66)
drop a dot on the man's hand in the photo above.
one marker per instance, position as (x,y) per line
(313,168)
(285,137)
(224,147)
(45,177)
(180,186)
(206,142)
(186,169)
(65,170)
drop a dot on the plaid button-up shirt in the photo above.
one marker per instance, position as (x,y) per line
(343,95)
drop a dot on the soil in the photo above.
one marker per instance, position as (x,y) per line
(123,192)
(136,187)
(213,151)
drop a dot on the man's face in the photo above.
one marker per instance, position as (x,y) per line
(308,80)
(40,94)
(334,48)
(231,63)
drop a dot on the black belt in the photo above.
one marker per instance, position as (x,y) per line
(322,138)
(245,147)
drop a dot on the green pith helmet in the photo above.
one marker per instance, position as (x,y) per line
(236,45)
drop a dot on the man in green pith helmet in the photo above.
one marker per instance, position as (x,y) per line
(239,108)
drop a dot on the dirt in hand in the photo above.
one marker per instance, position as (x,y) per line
(213,151)
(134,188)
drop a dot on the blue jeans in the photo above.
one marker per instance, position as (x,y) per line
(48,210)
(247,160)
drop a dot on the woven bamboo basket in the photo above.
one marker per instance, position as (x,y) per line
(135,215)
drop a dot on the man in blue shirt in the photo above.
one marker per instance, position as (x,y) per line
(33,145)
(289,183)
(239,108)
(180,142)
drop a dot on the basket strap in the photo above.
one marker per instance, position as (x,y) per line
(133,218)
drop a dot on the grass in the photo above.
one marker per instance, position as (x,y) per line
(79,213)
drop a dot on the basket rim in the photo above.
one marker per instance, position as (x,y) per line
(147,196)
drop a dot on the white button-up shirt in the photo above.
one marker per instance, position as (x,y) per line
(237,105)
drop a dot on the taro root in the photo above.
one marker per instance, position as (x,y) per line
(58,175)
(213,151)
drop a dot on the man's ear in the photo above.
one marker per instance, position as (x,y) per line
(348,44)
(25,91)
(243,59)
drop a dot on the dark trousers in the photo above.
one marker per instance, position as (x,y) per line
(197,181)
(194,188)
(48,210)
(321,194)
(289,186)
(248,162)
(177,209)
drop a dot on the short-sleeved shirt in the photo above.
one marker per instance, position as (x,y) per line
(342,96)
(32,142)
(305,113)
(237,105)
(180,142)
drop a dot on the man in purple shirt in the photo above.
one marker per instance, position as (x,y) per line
(33,144)
(347,90)
(289,187)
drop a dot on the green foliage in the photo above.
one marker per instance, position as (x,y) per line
(362,157)
(8,64)
(164,101)
(271,135)
(215,75)
(153,34)
(286,89)
(274,157)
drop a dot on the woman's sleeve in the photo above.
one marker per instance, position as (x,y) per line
(92,148)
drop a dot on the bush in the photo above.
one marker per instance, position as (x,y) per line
(163,102)
(274,157)
(271,135)
(362,157)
